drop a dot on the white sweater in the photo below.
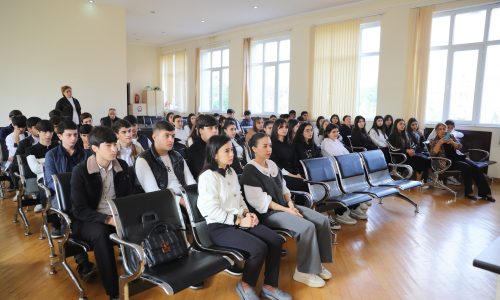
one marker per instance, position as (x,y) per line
(331,147)
(380,139)
(220,197)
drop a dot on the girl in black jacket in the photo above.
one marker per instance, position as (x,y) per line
(359,136)
(304,145)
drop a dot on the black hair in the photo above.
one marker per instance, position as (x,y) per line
(274,133)
(374,125)
(329,129)
(272,116)
(345,117)
(292,112)
(266,123)
(291,124)
(356,128)
(19,121)
(449,122)
(284,116)
(163,125)
(299,135)
(247,113)
(119,124)
(85,115)
(401,139)
(177,117)
(228,122)
(31,121)
(255,138)
(15,112)
(66,124)
(190,125)
(168,116)
(101,134)
(205,121)
(55,120)
(318,121)
(213,145)
(230,111)
(411,120)
(131,119)
(86,129)
(54,112)
(254,125)
(304,112)
(45,126)
(300,118)
(331,118)
(216,115)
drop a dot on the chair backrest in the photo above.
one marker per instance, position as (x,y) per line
(351,172)
(321,170)
(198,222)
(376,166)
(62,186)
(28,178)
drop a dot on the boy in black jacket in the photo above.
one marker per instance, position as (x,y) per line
(94,182)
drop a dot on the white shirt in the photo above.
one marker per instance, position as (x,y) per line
(379,139)
(316,136)
(220,197)
(36,165)
(9,141)
(257,197)
(331,147)
(147,179)
(76,118)
(125,153)
(239,149)
(108,189)
(182,135)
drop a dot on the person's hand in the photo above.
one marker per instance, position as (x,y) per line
(11,158)
(294,212)
(290,204)
(110,221)
(255,219)
(182,202)
(294,175)
(410,152)
(247,221)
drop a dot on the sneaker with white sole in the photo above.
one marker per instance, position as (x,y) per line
(364,206)
(38,208)
(345,219)
(453,181)
(333,223)
(325,274)
(358,213)
(311,280)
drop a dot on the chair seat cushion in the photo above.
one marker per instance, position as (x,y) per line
(378,191)
(403,184)
(187,271)
(351,199)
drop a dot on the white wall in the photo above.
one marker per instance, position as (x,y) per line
(143,68)
(48,44)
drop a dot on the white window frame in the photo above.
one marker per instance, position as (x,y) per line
(214,69)
(481,60)
(276,65)
(366,54)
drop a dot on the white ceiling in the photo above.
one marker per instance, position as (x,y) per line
(162,22)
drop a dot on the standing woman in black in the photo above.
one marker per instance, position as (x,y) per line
(399,139)
(68,106)
(359,136)
(284,156)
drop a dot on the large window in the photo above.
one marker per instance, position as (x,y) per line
(269,76)
(174,85)
(464,75)
(369,51)
(214,80)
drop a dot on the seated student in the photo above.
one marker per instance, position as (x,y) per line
(388,124)
(128,150)
(55,120)
(285,117)
(247,119)
(136,136)
(36,154)
(16,136)
(305,116)
(110,119)
(86,118)
(85,130)
(180,132)
(161,167)
(450,124)
(191,120)
(205,128)
(272,118)
(229,129)
(94,182)
(292,114)
(399,139)
(304,145)
(377,133)
(230,114)
(359,136)
(346,127)
(293,126)
(284,156)
(444,145)
(316,129)
(331,146)
(169,117)
(55,112)
(258,126)
(266,191)
(416,135)
(5,131)
(23,145)
(268,127)
(230,224)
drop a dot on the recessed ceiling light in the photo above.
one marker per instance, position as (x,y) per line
(203,21)
(91,1)
(163,32)
(152,12)
(255,6)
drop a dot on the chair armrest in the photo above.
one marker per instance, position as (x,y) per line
(66,221)
(485,154)
(306,195)
(403,156)
(363,149)
(408,167)
(139,251)
(437,166)
(47,195)
(322,184)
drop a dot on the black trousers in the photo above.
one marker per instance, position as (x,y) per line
(471,172)
(97,235)
(295,184)
(260,242)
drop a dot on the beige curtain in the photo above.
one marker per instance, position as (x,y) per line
(197,81)
(174,83)
(335,68)
(246,71)
(418,61)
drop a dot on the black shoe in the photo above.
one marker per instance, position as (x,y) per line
(197,286)
(114,298)
(489,198)
(56,233)
(235,271)
(86,270)
(472,197)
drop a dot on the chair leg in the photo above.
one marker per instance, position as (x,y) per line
(72,276)
(23,217)
(404,197)
(124,289)
(439,184)
(44,232)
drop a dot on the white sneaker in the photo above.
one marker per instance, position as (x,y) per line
(325,274)
(364,206)
(345,218)
(334,225)
(453,181)
(359,214)
(311,280)
(38,208)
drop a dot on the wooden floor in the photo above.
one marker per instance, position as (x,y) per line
(394,255)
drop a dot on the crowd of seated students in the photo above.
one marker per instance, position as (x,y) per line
(114,160)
